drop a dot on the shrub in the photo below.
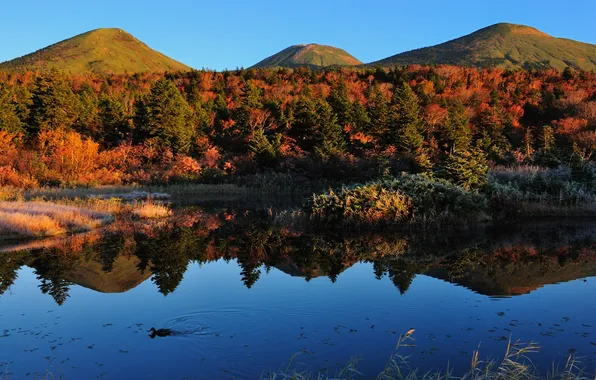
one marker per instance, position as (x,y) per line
(410,198)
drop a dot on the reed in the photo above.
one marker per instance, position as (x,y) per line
(514,365)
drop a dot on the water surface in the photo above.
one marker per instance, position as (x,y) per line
(247,293)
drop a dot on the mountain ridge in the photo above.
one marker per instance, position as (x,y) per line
(103,50)
(505,45)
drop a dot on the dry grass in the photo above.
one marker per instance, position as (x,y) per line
(515,365)
(42,219)
(150,210)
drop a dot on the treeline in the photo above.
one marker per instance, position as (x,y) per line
(341,124)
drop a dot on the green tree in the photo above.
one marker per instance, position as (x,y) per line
(88,119)
(378,111)
(467,168)
(113,121)
(406,123)
(330,139)
(304,127)
(456,131)
(491,128)
(267,151)
(9,119)
(54,105)
(165,116)
(340,102)
(358,117)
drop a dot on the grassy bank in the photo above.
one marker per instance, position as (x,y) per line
(41,218)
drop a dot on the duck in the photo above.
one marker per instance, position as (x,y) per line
(160,333)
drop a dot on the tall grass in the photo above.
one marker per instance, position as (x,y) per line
(41,219)
(515,364)
(150,210)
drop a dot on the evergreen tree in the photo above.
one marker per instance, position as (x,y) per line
(378,111)
(165,115)
(456,131)
(330,137)
(406,123)
(266,151)
(340,102)
(114,126)
(491,128)
(467,168)
(358,117)
(304,128)
(54,105)
(88,119)
(9,119)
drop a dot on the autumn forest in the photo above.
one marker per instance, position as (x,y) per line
(206,126)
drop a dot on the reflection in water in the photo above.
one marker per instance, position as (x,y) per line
(245,293)
(494,263)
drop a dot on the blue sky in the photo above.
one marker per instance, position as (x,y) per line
(229,34)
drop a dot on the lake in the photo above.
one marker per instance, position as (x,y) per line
(246,293)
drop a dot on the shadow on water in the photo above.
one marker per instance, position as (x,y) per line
(494,262)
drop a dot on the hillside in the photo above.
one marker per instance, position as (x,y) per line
(505,45)
(311,55)
(100,51)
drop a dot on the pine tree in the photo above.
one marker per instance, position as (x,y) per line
(378,110)
(304,127)
(9,119)
(358,117)
(456,131)
(113,122)
(491,127)
(266,151)
(406,123)
(340,102)
(54,105)
(331,138)
(467,168)
(88,119)
(167,117)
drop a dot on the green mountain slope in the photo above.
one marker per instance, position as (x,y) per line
(311,55)
(100,51)
(505,45)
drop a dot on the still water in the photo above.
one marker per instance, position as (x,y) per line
(246,294)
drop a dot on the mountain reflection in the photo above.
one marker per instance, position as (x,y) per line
(494,263)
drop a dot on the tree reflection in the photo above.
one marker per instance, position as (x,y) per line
(165,251)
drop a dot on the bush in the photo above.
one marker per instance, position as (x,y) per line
(412,199)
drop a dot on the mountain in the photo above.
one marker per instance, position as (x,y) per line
(505,45)
(107,50)
(311,55)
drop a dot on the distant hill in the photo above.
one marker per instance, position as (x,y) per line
(504,45)
(100,51)
(311,55)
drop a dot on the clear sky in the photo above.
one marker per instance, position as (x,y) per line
(220,34)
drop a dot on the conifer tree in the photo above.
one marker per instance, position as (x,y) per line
(378,111)
(113,121)
(9,119)
(340,102)
(165,115)
(331,138)
(406,123)
(54,105)
(456,131)
(467,168)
